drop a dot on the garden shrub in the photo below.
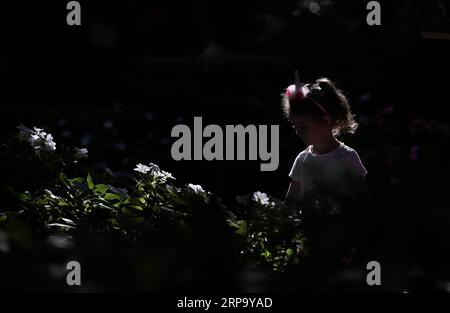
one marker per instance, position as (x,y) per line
(152,233)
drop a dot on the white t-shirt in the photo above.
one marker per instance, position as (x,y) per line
(329,175)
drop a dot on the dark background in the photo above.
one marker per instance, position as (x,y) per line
(118,83)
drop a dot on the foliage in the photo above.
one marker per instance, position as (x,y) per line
(54,208)
(270,231)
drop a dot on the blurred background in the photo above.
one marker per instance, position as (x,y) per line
(118,83)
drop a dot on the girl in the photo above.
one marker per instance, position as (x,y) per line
(327,178)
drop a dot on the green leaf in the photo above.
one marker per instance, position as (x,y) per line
(23,197)
(241,227)
(118,204)
(89,181)
(63,179)
(78,180)
(135,201)
(101,188)
(111,196)
(136,207)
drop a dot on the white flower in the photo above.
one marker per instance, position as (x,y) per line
(154,167)
(37,138)
(164,175)
(260,197)
(50,145)
(196,188)
(38,130)
(33,139)
(141,168)
(154,171)
(81,153)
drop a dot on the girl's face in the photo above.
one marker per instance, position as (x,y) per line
(312,130)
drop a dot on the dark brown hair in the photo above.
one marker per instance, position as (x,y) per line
(332,100)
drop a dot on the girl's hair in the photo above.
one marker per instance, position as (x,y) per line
(322,93)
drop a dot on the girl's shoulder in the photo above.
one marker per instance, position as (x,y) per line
(346,149)
(303,153)
(353,161)
(343,151)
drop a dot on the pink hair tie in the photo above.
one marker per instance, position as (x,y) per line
(301,92)
(293,92)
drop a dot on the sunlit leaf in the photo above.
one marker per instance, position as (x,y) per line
(59,225)
(111,196)
(101,188)
(89,181)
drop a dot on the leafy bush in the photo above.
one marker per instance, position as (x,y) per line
(269,231)
(60,205)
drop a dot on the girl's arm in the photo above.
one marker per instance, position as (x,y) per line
(294,192)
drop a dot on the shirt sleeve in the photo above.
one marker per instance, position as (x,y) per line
(354,165)
(295,173)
